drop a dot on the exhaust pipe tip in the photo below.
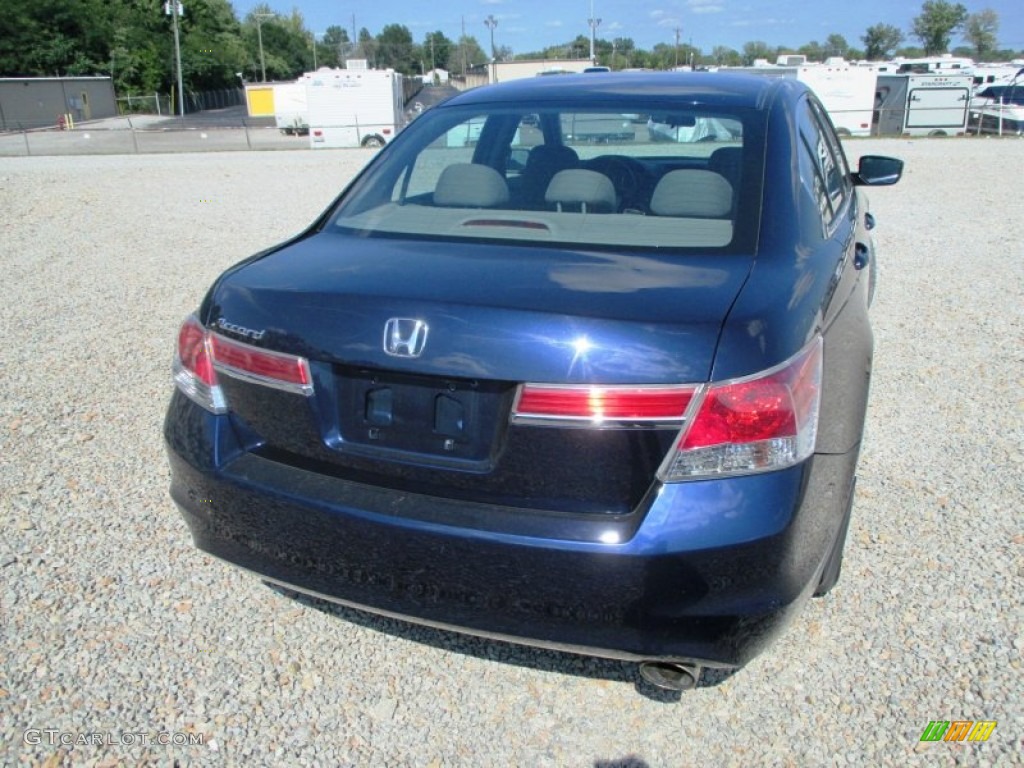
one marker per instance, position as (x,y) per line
(671,675)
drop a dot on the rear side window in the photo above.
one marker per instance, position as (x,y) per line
(642,176)
(823,164)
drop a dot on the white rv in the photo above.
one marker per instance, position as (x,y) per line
(354,108)
(922,105)
(291,112)
(846,91)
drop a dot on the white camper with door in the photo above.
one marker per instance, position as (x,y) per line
(846,90)
(354,108)
(922,105)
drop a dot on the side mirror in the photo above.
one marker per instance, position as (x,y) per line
(877,171)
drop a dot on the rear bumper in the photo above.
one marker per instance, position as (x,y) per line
(708,571)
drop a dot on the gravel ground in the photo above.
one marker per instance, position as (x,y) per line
(115,629)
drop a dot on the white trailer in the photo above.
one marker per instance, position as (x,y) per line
(922,104)
(846,91)
(291,110)
(354,108)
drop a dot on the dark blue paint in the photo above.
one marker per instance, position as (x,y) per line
(555,540)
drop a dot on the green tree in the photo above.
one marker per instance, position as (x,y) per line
(396,50)
(334,48)
(910,52)
(836,45)
(881,41)
(623,49)
(466,54)
(755,49)
(212,50)
(367,47)
(980,30)
(287,44)
(814,51)
(726,57)
(935,26)
(437,50)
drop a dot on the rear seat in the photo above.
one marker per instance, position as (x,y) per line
(692,193)
(582,190)
(470,185)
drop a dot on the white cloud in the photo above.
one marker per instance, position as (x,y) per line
(614,26)
(555,23)
(705,6)
(760,22)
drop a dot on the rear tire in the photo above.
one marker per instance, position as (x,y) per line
(373,142)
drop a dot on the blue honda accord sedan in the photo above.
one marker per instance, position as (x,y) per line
(576,362)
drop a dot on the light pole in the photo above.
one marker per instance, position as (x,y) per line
(313,35)
(259,35)
(174,9)
(491,23)
(594,23)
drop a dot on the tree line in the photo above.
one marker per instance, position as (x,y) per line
(131,41)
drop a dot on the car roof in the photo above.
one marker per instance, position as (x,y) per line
(699,88)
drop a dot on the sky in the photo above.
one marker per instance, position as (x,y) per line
(531,25)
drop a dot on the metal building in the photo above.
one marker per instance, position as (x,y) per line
(37,102)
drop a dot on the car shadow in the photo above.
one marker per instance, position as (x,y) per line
(543,660)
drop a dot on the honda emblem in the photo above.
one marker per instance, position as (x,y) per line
(405,337)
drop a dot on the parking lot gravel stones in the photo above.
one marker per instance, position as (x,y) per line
(117,635)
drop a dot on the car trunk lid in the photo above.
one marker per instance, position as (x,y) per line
(417,349)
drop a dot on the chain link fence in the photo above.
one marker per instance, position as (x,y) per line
(218,121)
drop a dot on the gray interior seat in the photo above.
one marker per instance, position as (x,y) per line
(591,191)
(470,185)
(728,161)
(543,162)
(692,193)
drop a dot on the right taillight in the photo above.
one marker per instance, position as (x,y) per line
(755,424)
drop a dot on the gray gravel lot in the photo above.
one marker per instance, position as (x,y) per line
(114,628)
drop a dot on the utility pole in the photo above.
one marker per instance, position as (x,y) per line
(594,23)
(259,34)
(313,35)
(175,9)
(462,45)
(491,23)
(677,46)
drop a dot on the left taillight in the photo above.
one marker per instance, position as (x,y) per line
(202,355)
(193,367)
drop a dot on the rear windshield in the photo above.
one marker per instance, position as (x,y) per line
(662,177)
